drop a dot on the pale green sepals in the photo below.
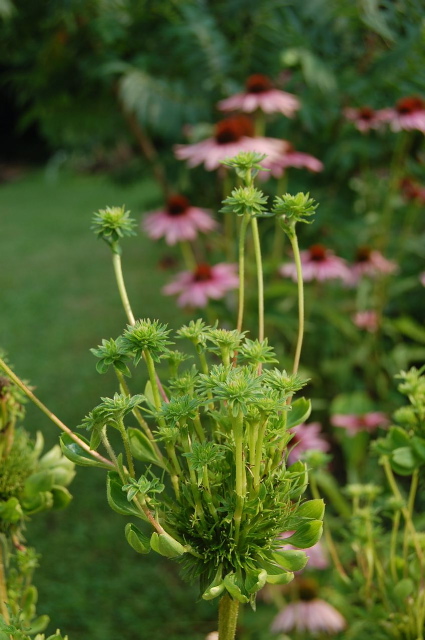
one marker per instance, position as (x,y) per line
(61,497)
(404,589)
(41,501)
(300,412)
(29,601)
(299,477)
(216,587)
(77,454)
(314,509)
(117,500)
(306,535)
(166,545)
(37,482)
(39,624)
(136,539)
(11,510)
(255,580)
(290,559)
(275,575)
(230,582)
(141,447)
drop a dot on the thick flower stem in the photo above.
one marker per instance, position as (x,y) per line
(228,610)
(242,236)
(295,248)
(51,415)
(260,283)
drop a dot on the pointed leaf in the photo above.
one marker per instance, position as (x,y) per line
(290,559)
(166,545)
(314,509)
(117,500)
(141,447)
(136,539)
(77,454)
(299,413)
(306,535)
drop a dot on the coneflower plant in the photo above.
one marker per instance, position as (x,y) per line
(204,458)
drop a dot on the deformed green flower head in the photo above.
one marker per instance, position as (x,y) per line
(292,209)
(246,164)
(284,382)
(111,411)
(246,200)
(225,342)
(112,224)
(195,331)
(179,409)
(204,454)
(237,386)
(111,352)
(146,335)
(256,352)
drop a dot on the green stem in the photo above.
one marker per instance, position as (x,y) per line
(228,610)
(128,453)
(240,475)
(260,282)
(3,588)
(258,455)
(153,379)
(410,507)
(242,235)
(296,250)
(208,494)
(51,415)
(393,546)
(116,259)
(188,255)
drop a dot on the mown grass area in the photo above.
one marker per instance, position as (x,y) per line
(57,299)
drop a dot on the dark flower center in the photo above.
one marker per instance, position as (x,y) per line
(177,205)
(318,253)
(410,189)
(203,273)
(233,129)
(307,589)
(366,113)
(363,254)
(410,105)
(258,83)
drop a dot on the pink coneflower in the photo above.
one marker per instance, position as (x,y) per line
(353,423)
(408,114)
(422,278)
(305,438)
(370,262)
(196,287)
(367,320)
(413,190)
(232,135)
(178,221)
(364,118)
(260,94)
(290,158)
(314,616)
(318,263)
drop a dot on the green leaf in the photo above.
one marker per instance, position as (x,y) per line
(230,582)
(403,461)
(299,413)
(306,535)
(255,580)
(299,478)
(290,559)
(149,394)
(11,510)
(141,447)
(61,497)
(77,454)
(117,500)
(136,539)
(275,575)
(404,589)
(216,587)
(166,545)
(314,509)
(418,445)
(38,482)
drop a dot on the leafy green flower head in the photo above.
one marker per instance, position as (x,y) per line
(246,164)
(111,352)
(256,352)
(146,335)
(292,209)
(112,224)
(246,200)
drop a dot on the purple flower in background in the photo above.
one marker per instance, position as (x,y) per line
(353,423)
(260,94)
(364,118)
(370,262)
(290,158)
(232,135)
(305,438)
(367,320)
(177,221)
(314,616)
(408,114)
(318,263)
(194,288)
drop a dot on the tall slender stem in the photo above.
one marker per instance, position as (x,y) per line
(260,282)
(128,453)
(242,235)
(116,259)
(228,610)
(3,588)
(295,248)
(51,415)
(188,255)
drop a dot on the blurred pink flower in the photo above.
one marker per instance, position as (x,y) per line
(196,287)
(232,135)
(305,438)
(314,616)
(364,118)
(317,556)
(290,158)
(260,94)
(370,262)
(318,263)
(353,423)
(408,114)
(178,221)
(368,320)
(422,278)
